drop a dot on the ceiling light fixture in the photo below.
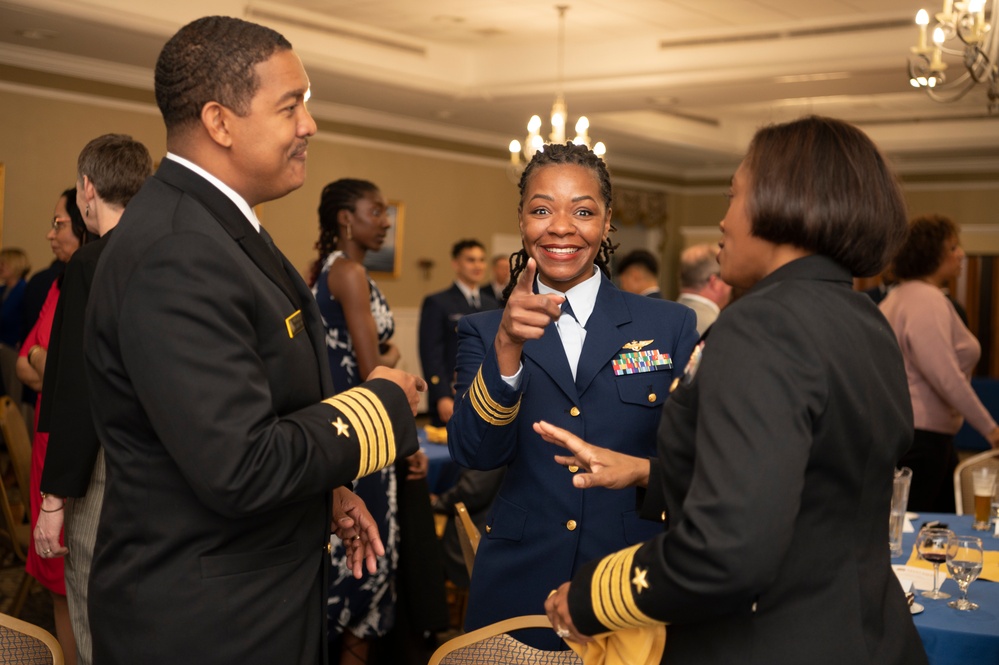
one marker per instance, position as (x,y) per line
(962,35)
(559,115)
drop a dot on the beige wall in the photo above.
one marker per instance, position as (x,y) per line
(446,196)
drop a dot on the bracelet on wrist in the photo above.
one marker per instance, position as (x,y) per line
(32,350)
(46,495)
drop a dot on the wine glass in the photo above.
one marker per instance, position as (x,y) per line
(964,562)
(931,544)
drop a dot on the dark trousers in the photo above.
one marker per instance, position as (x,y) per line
(932,459)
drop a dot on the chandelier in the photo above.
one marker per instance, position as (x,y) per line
(559,115)
(961,35)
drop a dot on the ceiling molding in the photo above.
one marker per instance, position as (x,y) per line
(53,62)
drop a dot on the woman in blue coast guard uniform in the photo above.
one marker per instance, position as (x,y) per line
(573,350)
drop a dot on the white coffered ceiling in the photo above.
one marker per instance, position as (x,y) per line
(675,88)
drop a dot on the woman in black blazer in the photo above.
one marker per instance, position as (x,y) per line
(776,449)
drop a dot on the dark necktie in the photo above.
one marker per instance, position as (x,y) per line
(266,237)
(571,333)
(567,309)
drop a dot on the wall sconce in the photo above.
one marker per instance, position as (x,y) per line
(425,265)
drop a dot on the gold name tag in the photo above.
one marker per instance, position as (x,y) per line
(295,323)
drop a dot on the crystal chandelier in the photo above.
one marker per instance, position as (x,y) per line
(961,35)
(559,115)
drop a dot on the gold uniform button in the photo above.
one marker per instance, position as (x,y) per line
(571,525)
(489,529)
(329,548)
(573,469)
(574,411)
(652,397)
(663,516)
(435,380)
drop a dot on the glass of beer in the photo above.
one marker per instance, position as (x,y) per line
(983,481)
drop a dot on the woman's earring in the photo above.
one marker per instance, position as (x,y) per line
(86,212)
(350,233)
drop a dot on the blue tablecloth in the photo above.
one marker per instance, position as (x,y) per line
(442,471)
(952,637)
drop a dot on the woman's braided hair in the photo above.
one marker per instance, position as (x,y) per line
(556,154)
(340,195)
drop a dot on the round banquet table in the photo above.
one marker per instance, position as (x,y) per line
(952,637)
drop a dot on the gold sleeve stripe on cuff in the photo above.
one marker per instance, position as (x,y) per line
(373,427)
(487,408)
(612,595)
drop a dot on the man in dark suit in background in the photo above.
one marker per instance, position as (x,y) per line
(638,272)
(500,277)
(439,318)
(211,390)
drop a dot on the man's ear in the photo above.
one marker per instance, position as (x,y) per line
(215,119)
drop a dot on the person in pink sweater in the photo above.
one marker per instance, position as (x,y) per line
(940,354)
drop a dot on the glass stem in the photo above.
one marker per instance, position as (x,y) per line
(936,583)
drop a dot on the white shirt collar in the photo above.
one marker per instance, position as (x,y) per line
(582,297)
(710,303)
(241,203)
(467,292)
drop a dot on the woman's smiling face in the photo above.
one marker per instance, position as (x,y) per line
(563,220)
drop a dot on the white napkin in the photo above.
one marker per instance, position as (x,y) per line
(911,577)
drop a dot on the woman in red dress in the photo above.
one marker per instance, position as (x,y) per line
(68,232)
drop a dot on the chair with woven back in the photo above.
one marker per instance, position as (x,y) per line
(468,535)
(491,645)
(964,493)
(14,530)
(23,643)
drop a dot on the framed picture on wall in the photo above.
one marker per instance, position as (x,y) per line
(387,261)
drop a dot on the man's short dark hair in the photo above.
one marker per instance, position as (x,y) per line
(462,245)
(641,258)
(212,59)
(117,165)
(822,185)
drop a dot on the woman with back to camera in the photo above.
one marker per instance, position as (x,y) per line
(601,369)
(67,234)
(353,220)
(110,171)
(777,448)
(940,354)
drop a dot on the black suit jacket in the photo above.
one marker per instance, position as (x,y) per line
(439,318)
(207,367)
(775,464)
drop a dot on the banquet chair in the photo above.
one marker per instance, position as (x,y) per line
(491,645)
(22,643)
(468,535)
(964,493)
(15,435)
(14,530)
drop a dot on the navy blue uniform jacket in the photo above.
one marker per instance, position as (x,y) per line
(541,528)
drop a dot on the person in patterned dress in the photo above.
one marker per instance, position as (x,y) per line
(359,326)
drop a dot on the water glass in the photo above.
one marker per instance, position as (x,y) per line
(983,481)
(964,563)
(899,502)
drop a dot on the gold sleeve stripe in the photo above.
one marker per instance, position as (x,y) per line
(367,414)
(612,594)
(487,408)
